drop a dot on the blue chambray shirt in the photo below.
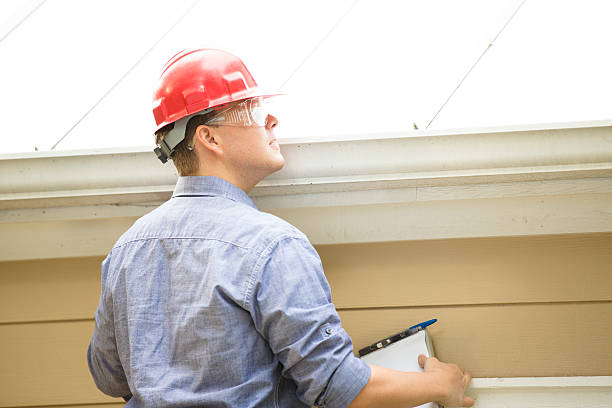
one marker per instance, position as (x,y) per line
(207,301)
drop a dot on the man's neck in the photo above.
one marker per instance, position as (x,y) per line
(240,182)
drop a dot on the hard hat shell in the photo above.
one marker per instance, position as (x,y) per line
(199,79)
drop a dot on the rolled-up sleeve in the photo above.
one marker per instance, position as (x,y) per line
(102,356)
(290,301)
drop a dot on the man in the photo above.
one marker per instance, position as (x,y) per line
(207,301)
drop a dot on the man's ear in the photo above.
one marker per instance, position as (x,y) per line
(208,139)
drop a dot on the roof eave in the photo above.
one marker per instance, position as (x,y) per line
(418,185)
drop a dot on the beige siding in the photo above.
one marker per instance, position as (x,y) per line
(45,364)
(559,268)
(512,306)
(49,289)
(541,340)
(105,405)
(507,307)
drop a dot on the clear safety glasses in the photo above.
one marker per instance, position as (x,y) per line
(250,112)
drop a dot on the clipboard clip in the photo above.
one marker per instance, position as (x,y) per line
(398,336)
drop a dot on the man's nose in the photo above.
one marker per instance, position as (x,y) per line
(271,121)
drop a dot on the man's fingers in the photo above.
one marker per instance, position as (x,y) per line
(422,360)
(468,402)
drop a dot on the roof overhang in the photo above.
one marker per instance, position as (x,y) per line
(527,180)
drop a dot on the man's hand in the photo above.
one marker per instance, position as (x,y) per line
(441,382)
(453,380)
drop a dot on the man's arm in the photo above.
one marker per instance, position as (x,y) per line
(102,355)
(440,382)
(291,308)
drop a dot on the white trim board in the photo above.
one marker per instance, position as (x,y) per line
(91,230)
(542,392)
(388,187)
(329,165)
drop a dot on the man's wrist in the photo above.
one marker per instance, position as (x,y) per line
(388,388)
(439,391)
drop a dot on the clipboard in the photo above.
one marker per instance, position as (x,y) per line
(400,352)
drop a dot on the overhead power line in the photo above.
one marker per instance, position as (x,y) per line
(321,41)
(474,65)
(9,32)
(181,17)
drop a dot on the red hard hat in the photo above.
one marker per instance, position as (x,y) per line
(195,80)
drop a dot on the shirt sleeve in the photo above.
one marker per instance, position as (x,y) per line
(102,356)
(291,307)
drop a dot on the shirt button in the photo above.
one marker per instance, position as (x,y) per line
(328,330)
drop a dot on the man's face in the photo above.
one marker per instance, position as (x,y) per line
(252,150)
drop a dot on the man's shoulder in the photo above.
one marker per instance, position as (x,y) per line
(233,223)
(142,226)
(271,228)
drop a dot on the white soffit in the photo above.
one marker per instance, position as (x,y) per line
(547,179)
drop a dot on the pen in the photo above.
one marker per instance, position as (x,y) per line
(424,324)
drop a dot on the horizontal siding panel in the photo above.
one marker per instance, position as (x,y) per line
(553,268)
(111,405)
(537,340)
(91,406)
(46,364)
(49,289)
(550,268)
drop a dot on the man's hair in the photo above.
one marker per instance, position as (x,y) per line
(184,159)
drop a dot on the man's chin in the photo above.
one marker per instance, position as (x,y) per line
(278,164)
(281,165)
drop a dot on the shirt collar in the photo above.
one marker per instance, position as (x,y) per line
(200,186)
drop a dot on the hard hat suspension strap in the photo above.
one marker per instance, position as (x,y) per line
(175,136)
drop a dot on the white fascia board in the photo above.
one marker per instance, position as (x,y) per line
(358,163)
(419,185)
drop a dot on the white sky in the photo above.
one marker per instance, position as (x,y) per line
(85,69)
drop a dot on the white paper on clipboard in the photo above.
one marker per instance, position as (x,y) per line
(403,355)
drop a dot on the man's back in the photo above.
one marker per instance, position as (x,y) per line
(205,313)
